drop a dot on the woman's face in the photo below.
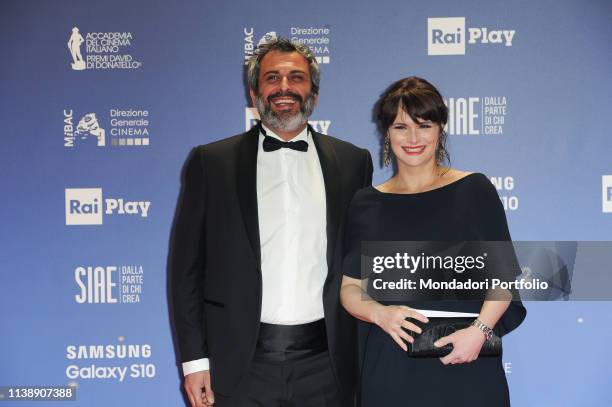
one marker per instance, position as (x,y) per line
(414,144)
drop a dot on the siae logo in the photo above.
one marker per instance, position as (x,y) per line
(476,115)
(447,36)
(109,284)
(97,284)
(606,191)
(85,206)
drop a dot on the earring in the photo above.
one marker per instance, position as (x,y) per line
(441,152)
(387,152)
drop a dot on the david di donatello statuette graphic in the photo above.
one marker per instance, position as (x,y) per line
(74,45)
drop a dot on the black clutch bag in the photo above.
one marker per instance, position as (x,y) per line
(438,327)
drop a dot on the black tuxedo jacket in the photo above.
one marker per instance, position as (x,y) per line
(215,263)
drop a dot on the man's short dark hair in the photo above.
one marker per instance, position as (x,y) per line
(282,45)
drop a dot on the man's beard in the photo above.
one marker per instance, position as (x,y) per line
(285,121)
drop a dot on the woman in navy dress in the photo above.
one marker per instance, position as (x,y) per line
(424,201)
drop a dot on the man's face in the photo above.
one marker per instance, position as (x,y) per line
(284,100)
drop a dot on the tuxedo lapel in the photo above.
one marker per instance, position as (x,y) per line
(246,184)
(331,177)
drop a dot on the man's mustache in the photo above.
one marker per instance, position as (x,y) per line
(291,95)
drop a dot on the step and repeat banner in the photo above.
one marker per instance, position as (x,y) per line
(102,101)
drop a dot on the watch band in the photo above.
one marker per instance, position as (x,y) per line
(488,332)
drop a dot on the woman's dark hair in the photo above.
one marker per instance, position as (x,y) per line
(421,101)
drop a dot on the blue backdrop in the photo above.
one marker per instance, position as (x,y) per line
(102,101)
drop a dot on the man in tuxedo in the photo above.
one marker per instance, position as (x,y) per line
(257,247)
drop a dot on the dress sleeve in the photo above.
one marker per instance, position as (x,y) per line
(490,214)
(493,226)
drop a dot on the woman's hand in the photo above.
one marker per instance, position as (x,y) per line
(466,345)
(392,318)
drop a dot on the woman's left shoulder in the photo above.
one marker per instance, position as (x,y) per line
(452,175)
(470,178)
(476,184)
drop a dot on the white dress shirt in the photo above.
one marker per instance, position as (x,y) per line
(293,238)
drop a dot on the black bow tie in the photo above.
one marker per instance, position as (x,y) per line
(273,144)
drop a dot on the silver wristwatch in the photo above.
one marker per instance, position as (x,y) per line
(488,332)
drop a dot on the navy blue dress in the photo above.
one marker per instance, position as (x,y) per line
(466,210)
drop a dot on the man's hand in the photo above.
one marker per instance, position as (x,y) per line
(197,386)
